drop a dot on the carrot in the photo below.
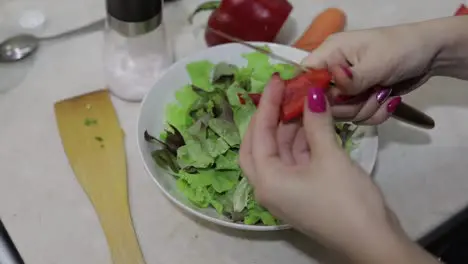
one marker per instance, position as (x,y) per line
(330,21)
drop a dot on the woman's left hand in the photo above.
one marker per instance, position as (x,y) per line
(301,174)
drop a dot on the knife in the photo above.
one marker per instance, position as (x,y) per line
(404,112)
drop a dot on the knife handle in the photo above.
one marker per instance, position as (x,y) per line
(413,116)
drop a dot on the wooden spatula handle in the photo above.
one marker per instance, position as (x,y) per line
(94,144)
(118,229)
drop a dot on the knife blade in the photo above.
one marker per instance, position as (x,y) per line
(403,112)
(259,49)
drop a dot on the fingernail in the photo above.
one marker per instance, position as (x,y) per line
(316,100)
(347,71)
(383,95)
(392,106)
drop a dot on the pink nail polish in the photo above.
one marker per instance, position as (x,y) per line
(383,95)
(316,100)
(347,71)
(392,106)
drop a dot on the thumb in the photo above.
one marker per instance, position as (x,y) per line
(318,123)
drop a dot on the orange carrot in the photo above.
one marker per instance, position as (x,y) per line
(330,21)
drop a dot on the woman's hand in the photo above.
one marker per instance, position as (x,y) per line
(300,173)
(376,66)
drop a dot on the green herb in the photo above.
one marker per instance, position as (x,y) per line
(100,139)
(90,121)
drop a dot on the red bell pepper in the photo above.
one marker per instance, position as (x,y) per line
(462,10)
(249,20)
(296,91)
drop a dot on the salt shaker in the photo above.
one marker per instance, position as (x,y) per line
(136,51)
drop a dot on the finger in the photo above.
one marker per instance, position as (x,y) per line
(355,79)
(346,112)
(318,124)
(383,113)
(264,146)
(325,56)
(346,99)
(343,77)
(285,139)
(246,161)
(373,104)
(360,107)
(301,151)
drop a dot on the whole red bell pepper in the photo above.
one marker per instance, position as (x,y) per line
(249,20)
(462,10)
(296,91)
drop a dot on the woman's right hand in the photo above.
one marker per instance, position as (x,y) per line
(372,68)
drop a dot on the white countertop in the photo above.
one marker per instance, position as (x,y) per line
(422,173)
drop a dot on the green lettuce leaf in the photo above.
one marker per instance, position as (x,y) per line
(286,71)
(223,75)
(193,155)
(262,69)
(226,130)
(216,146)
(242,116)
(177,114)
(178,117)
(186,96)
(203,178)
(257,86)
(200,74)
(220,181)
(257,60)
(242,78)
(200,196)
(241,195)
(256,213)
(232,94)
(225,199)
(224,180)
(228,161)
(217,205)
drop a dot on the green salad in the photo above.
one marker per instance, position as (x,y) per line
(204,131)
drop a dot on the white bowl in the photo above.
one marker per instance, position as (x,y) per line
(152,118)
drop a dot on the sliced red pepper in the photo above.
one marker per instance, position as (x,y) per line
(255,97)
(462,10)
(295,92)
(297,89)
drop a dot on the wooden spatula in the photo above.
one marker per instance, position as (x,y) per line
(94,143)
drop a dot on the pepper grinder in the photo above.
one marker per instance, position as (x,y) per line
(136,51)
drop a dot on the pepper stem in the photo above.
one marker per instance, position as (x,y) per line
(207,6)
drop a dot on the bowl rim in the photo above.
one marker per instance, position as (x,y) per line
(166,193)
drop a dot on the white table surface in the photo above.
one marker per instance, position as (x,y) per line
(422,173)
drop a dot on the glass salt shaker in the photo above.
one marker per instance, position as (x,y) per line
(136,51)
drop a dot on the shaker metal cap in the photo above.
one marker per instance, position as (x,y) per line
(134,17)
(134,11)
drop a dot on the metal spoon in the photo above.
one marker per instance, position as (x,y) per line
(22,46)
